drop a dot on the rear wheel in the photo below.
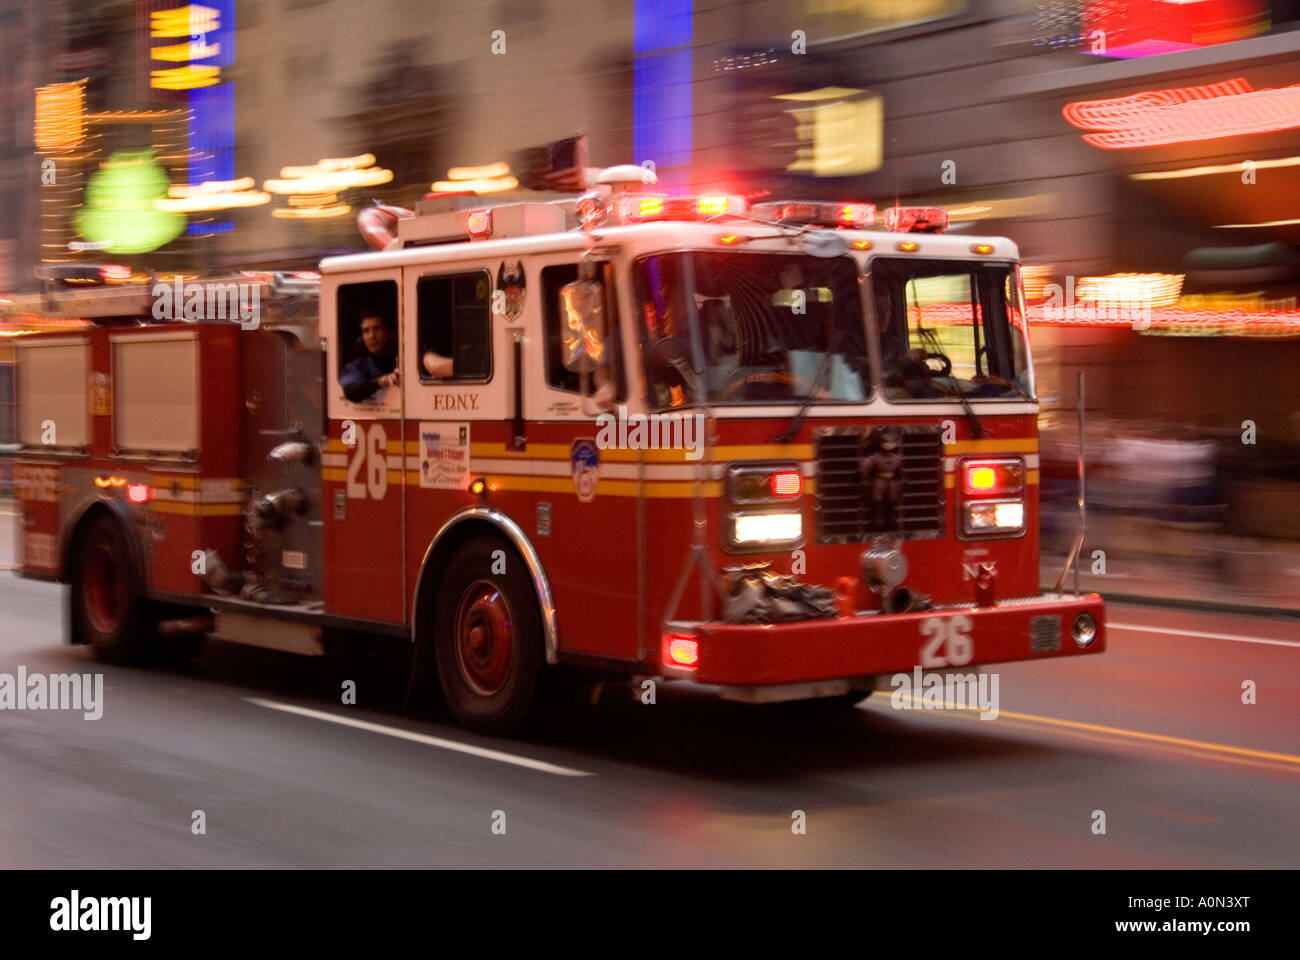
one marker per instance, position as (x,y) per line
(109,609)
(488,637)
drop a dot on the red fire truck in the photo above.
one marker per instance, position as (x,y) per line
(771,448)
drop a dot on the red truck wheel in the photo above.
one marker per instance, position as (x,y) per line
(488,637)
(108,604)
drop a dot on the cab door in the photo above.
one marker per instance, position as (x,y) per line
(362,460)
(457,370)
(584,511)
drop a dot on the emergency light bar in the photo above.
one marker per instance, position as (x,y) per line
(858,216)
(916,219)
(647,207)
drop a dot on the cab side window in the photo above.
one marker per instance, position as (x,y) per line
(558,377)
(455,328)
(367,339)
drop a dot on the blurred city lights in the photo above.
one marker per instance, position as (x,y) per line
(1185,114)
(60,116)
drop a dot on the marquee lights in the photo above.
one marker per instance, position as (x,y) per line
(211,195)
(330,176)
(489,178)
(184,21)
(192,22)
(1155,118)
(60,116)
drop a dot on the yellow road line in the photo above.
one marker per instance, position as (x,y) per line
(1099,729)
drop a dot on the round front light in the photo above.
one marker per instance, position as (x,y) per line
(1085,629)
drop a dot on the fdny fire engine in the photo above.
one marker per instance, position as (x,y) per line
(773,448)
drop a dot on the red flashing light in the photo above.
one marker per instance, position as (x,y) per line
(857,214)
(681,650)
(306,275)
(139,493)
(786,484)
(658,207)
(992,477)
(479,223)
(711,205)
(916,219)
(115,271)
(650,207)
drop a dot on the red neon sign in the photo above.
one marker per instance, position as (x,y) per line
(1155,118)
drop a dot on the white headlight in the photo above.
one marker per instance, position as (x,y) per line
(768,527)
(995,516)
(1009,516)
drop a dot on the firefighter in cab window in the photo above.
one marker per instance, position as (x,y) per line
(374,365)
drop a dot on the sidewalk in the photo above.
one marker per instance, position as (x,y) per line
(1214,570)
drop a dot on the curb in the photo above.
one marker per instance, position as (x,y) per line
(1205,606)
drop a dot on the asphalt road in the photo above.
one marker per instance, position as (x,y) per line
(1153,733)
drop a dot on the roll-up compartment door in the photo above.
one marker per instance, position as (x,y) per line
(156,393)
(52,382)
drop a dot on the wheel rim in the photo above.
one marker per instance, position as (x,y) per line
(102,587)
(485,638)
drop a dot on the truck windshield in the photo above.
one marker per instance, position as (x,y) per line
(756,327)
(950,329)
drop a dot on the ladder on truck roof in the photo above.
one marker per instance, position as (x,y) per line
(75,292)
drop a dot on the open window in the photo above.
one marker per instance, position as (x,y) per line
(367,339)
(558,377)
(455,327)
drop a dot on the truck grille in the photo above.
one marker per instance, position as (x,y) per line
(844,509)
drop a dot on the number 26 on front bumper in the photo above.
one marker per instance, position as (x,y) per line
(948,642)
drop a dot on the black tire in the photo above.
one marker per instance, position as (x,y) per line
(488,638)
(108,607)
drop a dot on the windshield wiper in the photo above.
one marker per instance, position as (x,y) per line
(792,429)
(976,428)
(819,386)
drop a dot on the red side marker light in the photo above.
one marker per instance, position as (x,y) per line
(139,493)
(786,484)
(479,223)
(680,650)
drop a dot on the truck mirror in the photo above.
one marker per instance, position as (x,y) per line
(583,335)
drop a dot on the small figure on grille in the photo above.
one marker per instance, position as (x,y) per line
(882,479)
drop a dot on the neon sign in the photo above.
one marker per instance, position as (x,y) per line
(1155,118)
